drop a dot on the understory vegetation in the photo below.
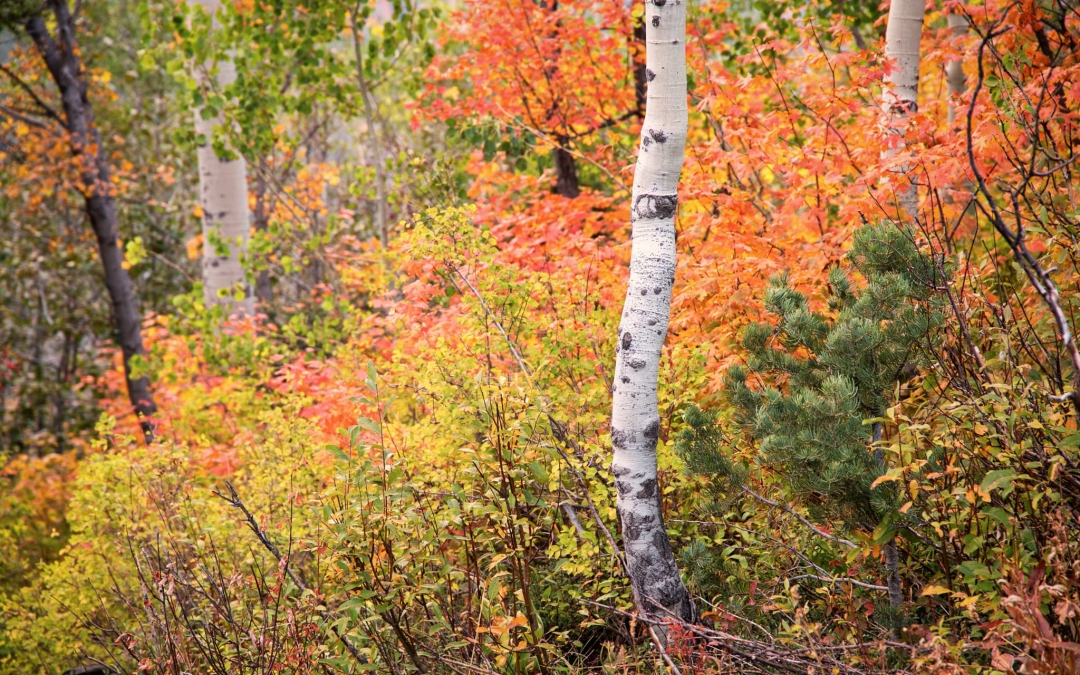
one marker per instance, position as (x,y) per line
(398,458)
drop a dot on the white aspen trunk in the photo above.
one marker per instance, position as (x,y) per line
(224,199)
(903,33)
(375,137)
(954,70)
(635,421)
(901,93)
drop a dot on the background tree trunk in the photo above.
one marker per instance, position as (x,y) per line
(264,293)
(566,178)
(954,70)
(641,77)
(903,33)
(635,420)
(224,199)
(62,60)
(376,156)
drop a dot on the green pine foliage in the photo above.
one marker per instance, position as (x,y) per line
(815,381)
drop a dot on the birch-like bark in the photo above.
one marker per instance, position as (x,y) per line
(375,147)
(62,59)
(954,69)
(635,421)
(903,34)
(224,200)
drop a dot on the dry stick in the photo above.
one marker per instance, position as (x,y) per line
(804,521)
(765,654)
(560,433)
(828,578)
(568,509)
(234,500)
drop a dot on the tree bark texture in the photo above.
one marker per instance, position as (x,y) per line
(224,200)
(375,153)
(566,178)
(903,33)
(954,69)
(62,59)
(635,421)
(641,77)
(264,293)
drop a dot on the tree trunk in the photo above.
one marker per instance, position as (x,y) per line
(954,69)
(375,147)
(62,60)
(566,183)
(641,75)
(635,420)
(901,93)
(224,200)
(892,557)
(264,294)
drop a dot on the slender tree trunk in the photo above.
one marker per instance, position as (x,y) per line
(566,183)
(954,69)
(374,149)
(635,420)
(264,294)
(903,34)
(224,199)
(641,75)
(62,60)
(892,557)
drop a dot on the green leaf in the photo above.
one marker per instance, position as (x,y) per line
(1000,479)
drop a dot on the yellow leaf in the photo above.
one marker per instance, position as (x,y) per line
(935,590)
(892,475)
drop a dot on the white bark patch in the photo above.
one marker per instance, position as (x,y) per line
(954,68)
(224,200)
(635,420)
(903,33)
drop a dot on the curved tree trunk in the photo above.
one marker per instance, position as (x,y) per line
(62,60)
(635,420)
(903,34)
(224,199)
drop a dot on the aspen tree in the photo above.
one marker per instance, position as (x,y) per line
(635,422)
(224,200)
(954,69)
(903,33)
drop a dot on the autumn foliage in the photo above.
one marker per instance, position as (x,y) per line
(417,432)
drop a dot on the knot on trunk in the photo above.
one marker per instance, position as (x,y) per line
(655,206)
